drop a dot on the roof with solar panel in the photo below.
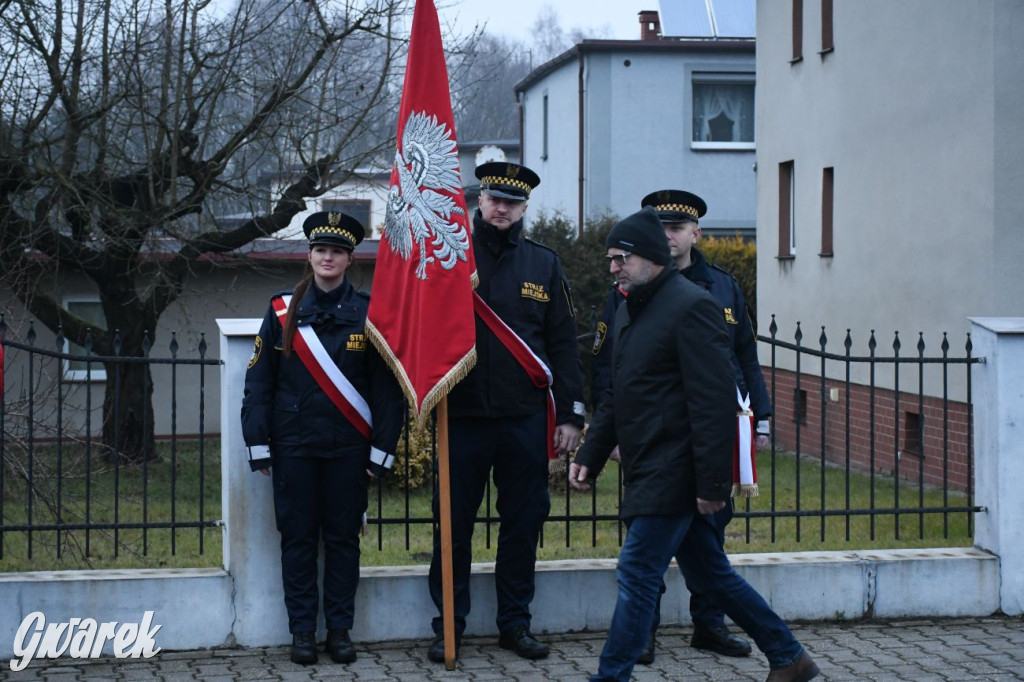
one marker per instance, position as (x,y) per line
(709,19)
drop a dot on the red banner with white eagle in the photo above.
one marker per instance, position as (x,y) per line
(421,306)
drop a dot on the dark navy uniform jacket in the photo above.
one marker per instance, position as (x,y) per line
(726,290)
(523,282)
(285,408)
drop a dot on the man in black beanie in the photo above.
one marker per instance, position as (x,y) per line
(643,235)
(670,410)
(680,212)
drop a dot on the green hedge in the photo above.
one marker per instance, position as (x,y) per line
(738,257)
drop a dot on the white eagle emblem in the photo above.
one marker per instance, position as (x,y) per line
(418,210)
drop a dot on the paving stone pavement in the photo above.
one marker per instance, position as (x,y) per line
(919,650)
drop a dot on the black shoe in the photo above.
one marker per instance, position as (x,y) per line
(436,651)
(719,640)
(647,657)
(304,648)
(523,643)
(340,647)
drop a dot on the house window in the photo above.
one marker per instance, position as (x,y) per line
(723,111)
(90,310)
(787,210)
(912,430)
(357,208)
(544,151)
(799,406)
(798,31)
(826,27)
(826,212)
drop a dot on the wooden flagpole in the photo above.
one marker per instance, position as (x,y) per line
(447,576)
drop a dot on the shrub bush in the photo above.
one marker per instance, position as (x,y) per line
(418,442)
(738,257)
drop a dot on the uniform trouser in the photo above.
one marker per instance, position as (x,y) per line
(703,611)
(516,449)
(318,497)
(650,544)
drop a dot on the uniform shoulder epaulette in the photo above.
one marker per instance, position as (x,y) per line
(364,294)
(724,272)
(286,292)
(543,246)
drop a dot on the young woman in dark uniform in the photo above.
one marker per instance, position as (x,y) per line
(323,413)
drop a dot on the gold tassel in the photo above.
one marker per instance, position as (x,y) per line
(456,374)
(747,490)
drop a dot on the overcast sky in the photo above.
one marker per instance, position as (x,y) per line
(514,18)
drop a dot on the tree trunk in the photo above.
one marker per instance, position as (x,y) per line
(128,413)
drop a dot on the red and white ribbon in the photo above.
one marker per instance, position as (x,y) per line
(535,368)
(326,373)
(744,470)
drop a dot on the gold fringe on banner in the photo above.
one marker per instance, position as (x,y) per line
(456,374)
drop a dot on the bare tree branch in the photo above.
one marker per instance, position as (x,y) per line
(127,126)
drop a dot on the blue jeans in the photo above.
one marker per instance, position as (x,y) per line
(692,539)
(703,612)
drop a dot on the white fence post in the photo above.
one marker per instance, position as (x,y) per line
(252,553)
(999,450)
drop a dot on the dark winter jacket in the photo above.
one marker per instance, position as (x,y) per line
(673,408)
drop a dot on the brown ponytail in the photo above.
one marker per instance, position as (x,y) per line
(289,321)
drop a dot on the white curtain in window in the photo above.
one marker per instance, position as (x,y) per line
(714,100)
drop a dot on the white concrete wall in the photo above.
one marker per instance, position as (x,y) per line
(200,608)
(999,444)
(192,606)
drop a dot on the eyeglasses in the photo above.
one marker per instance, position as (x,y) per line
(619,258)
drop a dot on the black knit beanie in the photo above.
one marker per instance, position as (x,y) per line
(643,234)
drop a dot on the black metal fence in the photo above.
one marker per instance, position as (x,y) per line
(67,482)
(846,454)
(853,449)
(899,423)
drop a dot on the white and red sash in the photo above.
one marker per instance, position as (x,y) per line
(535,368)
(744,469)
(326,373)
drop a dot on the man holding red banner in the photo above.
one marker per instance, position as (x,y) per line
(520,405)
(320,406)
